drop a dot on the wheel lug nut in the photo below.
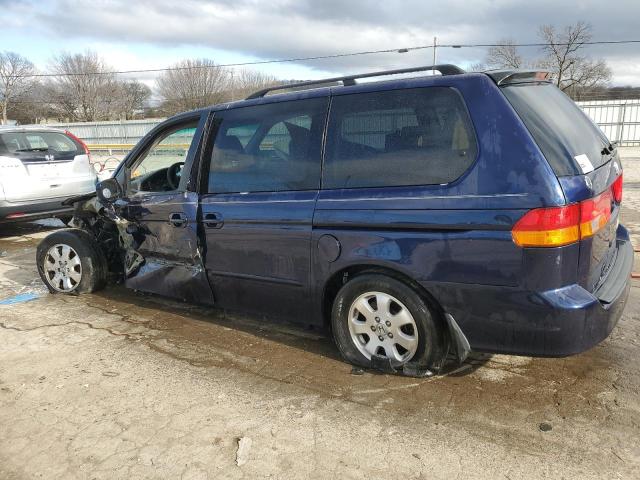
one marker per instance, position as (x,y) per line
(378,319)
(381,338)
(373,328)
(390,335)
(388,323)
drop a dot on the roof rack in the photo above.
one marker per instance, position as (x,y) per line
(444,69)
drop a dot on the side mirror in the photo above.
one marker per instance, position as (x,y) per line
(108,190)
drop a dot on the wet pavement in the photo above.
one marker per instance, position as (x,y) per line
(123,385)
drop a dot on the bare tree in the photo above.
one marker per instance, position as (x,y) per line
(244,82)
(478,67)
(504,55)
(132,96)
(86,89)
(15,79)
(32,105)
(193,84)
(572,71)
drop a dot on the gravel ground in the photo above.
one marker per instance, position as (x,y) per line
(118,385)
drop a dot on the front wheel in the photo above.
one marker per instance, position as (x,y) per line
(70,261)
(379,320)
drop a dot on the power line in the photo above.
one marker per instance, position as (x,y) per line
(540,44)
(239,64)
(323,57)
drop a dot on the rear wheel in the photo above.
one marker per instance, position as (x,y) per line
(378,318)
(70,261)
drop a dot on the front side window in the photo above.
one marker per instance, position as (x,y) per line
(159,168)
(418,136)
(268,148)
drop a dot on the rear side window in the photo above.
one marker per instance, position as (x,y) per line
(268,148)
(561,130)
(417,136)
(12,143)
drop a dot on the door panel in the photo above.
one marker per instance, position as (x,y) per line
(258,258)
(170,249)
(263,183)
(165,255)
(163,238)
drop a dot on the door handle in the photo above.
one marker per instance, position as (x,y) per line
(178,219)
(213,220)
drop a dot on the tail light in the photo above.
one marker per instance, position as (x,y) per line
(617,189)
(548,227)
(595,214)
(77,140)
(557,226)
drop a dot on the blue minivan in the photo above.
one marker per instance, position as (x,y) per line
(414,217)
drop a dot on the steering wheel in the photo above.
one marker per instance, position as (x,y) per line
(174,172)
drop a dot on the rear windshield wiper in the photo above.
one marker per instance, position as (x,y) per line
(37,149)
(609,149)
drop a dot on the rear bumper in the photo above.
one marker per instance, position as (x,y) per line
(553,323)
(33,209)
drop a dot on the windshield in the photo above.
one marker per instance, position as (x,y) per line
(570,141)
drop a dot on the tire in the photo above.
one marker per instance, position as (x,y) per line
(77,252)
(413,342)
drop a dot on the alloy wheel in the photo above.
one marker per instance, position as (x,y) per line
(380,324)
(62,267)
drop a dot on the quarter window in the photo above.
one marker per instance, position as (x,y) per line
(268,148)
(417,136)
(559,127)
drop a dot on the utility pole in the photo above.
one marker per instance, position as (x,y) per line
(233,85)
(435,46)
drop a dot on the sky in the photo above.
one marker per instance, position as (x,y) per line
(142,34)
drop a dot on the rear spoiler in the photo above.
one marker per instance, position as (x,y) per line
(510,77)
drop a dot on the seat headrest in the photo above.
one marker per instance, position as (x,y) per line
(229,142)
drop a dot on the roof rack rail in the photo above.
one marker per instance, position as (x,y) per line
(444,69)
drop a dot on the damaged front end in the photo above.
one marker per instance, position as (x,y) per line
(142,247)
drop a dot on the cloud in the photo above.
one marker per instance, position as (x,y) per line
(288,28)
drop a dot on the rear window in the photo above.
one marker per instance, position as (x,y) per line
(12,143)
(561,130)
(418,136)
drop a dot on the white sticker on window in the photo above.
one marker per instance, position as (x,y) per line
(584,162)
